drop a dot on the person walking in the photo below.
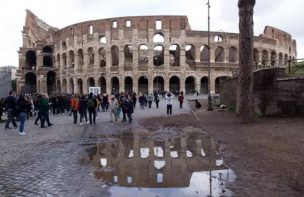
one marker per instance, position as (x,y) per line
(150,99)
(181,99)
(168,98)
(128,107)
(75,107)
(142,101)
(22,109)
(92,108)
(44,108)
(113,105)
(11,103)
(156,99)
(134,99)
(83,108)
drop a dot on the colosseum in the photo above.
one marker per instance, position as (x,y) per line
(136,54)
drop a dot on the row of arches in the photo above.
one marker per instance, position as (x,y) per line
(271,58)
(190,84)
(143,55)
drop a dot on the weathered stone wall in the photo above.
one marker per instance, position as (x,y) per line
(274,93)
(290,96)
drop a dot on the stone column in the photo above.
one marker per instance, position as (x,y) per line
(182,84)
(166,85)
(135,84)
(198,84)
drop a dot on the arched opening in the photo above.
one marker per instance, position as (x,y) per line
(64,45)
(47,61)
(286,58)
(174,85)
(71,88)
(190,55)
(51,83)
(190,85)
(233,55)
(204,52)
(204,85)
(115,55)
(128,51)
(71,59)
(256,57)
(64,60)
(219,54)
(158,55)
(30,83)
(265,57)
(30,59)
(159,84)
(91,57)
(80,86)
(91,82)
(129,85)
(58,61)
(281,59)
(102,57)
(102,84)
(143,55)
(273,58)
(115,85)
(174,51)
(218,83)
(143,85)
(47,49)
(64,86)
(80,58)
(158,38)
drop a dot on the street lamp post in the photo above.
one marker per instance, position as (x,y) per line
(209,74)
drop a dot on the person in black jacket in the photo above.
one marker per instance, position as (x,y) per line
(22,109)
(128,107)
(11,103)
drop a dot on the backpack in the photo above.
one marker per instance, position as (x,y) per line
(91,103)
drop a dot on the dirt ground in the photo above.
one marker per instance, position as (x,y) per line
(267,155)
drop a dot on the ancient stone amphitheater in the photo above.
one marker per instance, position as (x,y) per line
(136,54)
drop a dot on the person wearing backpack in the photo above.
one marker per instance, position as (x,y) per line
(92,108)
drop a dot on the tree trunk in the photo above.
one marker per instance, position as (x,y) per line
(245,99)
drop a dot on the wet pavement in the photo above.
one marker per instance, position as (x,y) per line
(110,159)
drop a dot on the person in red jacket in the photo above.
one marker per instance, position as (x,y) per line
(75,107)
(181,99)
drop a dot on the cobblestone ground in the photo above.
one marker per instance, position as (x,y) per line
(47,162)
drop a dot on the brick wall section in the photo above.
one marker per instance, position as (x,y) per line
(274,93)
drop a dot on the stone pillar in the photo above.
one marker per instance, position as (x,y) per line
(135,84)
(212,54)
(182,59)
(198,85)
(121,83)
(166,85)
(109,85)
(212,81)
(85,88)
(182,84)
(75,84)
(150,83)
(121,64)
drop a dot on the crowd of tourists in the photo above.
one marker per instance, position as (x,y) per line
(120,106)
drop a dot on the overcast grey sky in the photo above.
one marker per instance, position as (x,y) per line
(284,14)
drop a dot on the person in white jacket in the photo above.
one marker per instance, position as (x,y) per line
(113,105)
(169,98)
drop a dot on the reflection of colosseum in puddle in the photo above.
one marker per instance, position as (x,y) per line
(136,54)
(137,160)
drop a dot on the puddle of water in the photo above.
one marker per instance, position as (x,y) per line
(145,164)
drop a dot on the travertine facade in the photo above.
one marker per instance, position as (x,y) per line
(135,54)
